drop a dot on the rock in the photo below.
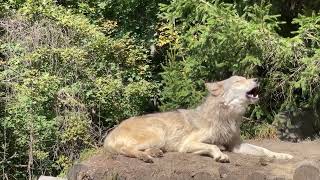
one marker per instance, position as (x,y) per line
(237,164)
(264,161)
(291,127)
(101,174)
(180,175)
(50,178)
(307,170)
(292,136)
(77,172)
(231,177)
(163,177)
(256,176)
(203,176)
(278,178)
(223,171)
(187,166)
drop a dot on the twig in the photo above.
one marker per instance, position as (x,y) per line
(6,159)
(207,3)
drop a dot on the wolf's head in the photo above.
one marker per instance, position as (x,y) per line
(235,90)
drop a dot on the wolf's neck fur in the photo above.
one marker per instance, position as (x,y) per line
(214,111)
(218,122)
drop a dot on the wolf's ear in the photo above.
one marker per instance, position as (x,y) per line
(215,88)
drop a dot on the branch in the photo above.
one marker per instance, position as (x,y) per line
(11,157)
(207,3)
(30,161)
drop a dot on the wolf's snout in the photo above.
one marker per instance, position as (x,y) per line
(255,80)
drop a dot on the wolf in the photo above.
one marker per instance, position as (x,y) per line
(208,129)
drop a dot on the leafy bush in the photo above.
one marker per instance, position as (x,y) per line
(62,81)
(135,16)
(214,42)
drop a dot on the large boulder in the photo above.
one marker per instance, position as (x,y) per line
(176,166)
(184,166)
(297,125)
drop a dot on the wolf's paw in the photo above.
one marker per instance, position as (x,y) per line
(282,156)
(154,152)
(221,157)
(145,157)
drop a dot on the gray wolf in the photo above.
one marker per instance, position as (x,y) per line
(207,129)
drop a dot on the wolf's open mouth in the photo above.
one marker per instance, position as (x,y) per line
(253,93)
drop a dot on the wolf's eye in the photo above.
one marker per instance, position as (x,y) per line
(240,80)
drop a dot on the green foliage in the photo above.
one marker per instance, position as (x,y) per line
(251,129)
(136,16)
(224,43)
(182,83)
(63,80)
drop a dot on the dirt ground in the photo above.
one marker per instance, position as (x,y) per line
(190,166)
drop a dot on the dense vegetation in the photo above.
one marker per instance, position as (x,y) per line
(71,70)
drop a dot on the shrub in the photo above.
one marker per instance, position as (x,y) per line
(63,81)
(212,42)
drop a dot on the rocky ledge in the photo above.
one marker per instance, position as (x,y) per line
(182,166)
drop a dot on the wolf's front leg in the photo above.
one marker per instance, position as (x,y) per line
(205,149)
(244,148)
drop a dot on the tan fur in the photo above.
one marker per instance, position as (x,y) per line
(213,124)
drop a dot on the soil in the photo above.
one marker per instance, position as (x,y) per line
(190,166)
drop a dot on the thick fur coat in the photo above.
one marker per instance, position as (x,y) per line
(212,126)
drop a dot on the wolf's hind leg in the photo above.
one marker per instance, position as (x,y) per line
(132,152)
